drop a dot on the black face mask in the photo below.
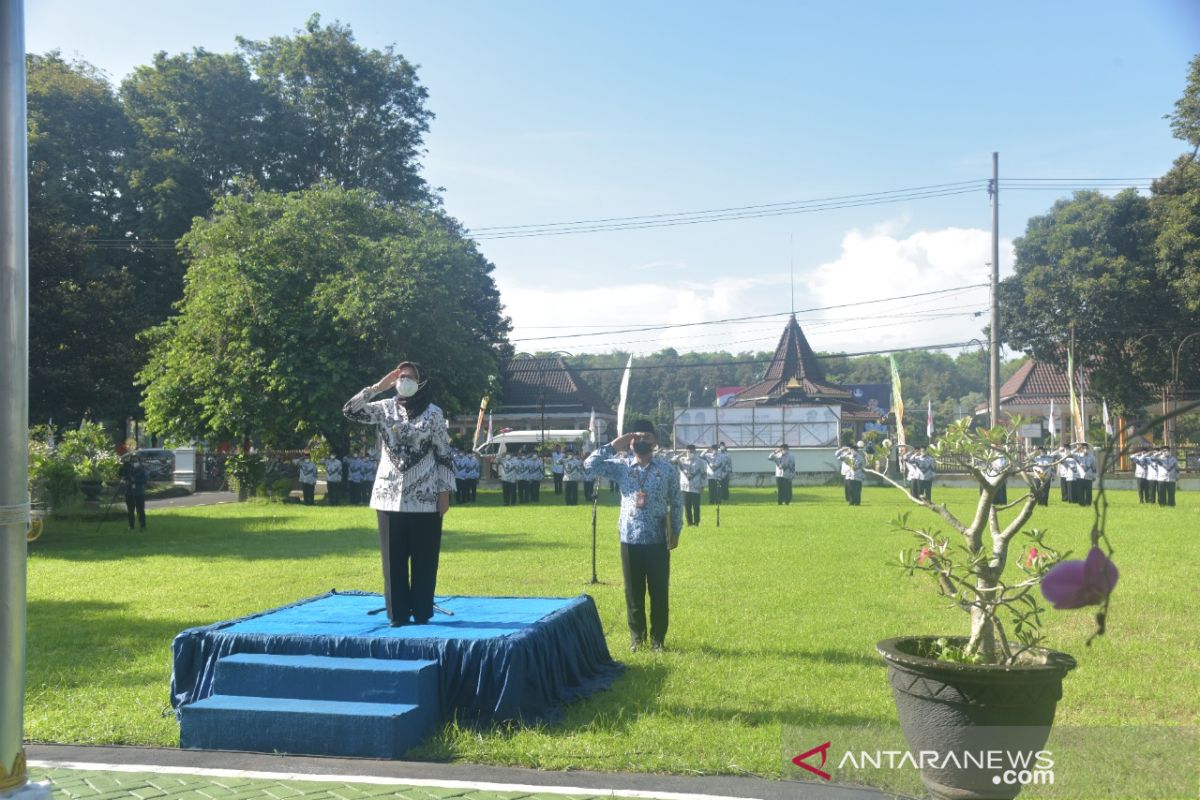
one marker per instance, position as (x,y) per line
(643,448)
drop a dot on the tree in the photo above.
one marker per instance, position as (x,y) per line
(294,302)
(1085,272)
(85,287)
(344,114)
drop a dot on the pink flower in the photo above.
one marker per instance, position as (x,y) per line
(1031,557)
(1075,584)
(924,555)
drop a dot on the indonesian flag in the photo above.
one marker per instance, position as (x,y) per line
(1108,428)
(1053,424)
(929,420)
(624,397)
(489,426)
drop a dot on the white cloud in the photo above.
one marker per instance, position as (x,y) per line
(873,265)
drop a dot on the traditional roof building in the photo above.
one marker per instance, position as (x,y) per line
(542,392)
(793,403)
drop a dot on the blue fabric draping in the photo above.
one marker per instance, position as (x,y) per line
(500,658)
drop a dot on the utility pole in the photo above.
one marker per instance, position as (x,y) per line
(994,337)
(14,401)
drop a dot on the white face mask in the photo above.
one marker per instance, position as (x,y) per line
(406,387)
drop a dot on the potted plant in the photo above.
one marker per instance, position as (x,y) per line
(996,687)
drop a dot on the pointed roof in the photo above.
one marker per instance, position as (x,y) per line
(794,376)
(1036,382)
(527,378)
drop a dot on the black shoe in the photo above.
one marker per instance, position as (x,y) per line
(656,646)
(635,642)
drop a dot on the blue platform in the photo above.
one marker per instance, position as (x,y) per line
(325,676)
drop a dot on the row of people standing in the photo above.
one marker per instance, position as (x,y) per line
(521,475)
(466,475)
(1157,472)
(347,480)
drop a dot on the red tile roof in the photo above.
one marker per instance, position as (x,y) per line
(531,380)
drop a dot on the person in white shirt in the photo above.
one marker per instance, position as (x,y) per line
(1139,459)
(412,489)
(572,476)
(556,468)
(853,464)
(693,472)
(785,471)
(1066,473)
(333,480)
(308,477)
(1168,471)
(1085,473)
(508,471)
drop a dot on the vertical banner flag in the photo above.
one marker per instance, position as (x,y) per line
(897,401)
(624,397)
(483,404)
(929,420)
(1076,424)
(489,426)
(1107,421)
(1053,432)
(592,430)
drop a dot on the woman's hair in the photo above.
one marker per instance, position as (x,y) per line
(416,404)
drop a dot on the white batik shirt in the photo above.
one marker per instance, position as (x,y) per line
(414,461)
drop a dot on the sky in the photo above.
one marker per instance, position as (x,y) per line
(552,112)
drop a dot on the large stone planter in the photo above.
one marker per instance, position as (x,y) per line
(946,707)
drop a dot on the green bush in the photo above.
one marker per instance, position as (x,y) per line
(89,449)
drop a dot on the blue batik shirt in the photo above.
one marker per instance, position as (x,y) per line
(659,480)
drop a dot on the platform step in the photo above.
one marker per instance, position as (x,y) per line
(303,726)
(363,680)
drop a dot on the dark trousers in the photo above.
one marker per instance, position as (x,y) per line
(409,544)
(1166,493)
(691,506)
(508,489)
(136,503)
(308,490)
(1041,489)
(1142,489)
(558,482)
(1068,494)
(783,490)
(460,490)
(359,493)
(333,491)
(1001,496)
(927,490)
(714,491)
(472,489)
(853,491)
(1083,492)
(572,489)
(523,491)
(646,567)
(535,491)
(725,488)
(589,490)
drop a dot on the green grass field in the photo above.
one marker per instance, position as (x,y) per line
(774,619)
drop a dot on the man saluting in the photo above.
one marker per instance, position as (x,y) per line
(649,525)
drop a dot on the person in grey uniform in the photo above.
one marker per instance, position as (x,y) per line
(853,466)
(693,472)
(333,480)
(308,477)
(785,471)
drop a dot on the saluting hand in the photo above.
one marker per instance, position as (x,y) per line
(387,381)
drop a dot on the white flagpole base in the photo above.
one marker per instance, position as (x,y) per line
(30,791)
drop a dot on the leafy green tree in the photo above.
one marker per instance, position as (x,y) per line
(1087,270)
(85,286)
(294,302)
(1176,203)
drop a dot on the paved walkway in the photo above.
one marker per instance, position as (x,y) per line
(104,773)
(194,499)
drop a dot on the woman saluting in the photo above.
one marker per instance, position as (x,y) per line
(412,487)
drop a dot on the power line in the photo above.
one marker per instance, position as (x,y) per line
(643,329)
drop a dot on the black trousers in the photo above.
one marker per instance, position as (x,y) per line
(1041,490)
(1141,484)
(1068,494)
(137,503)
(714,491)
(508,490)
(572,490)
(783,490)
(472,489)
(558,482)
(691,506)
(1001,497)
(589,489)
(409,545)
(333,491)
(1083,492)
(535,491)
(927,490)
(853,491)
(1166,493)
(308,490)
(647,567)
(523,491)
